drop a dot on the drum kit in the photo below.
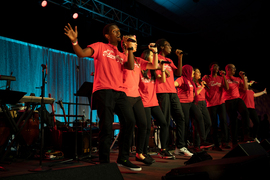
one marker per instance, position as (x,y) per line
(21,124)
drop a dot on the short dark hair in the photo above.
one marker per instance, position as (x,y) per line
(106,29)
(160,43)
(211,64)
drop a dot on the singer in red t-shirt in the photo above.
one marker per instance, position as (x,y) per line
(216,105)
(235,104)
(167,96)
(201,106)
(148,94)
(131,83)
(108,91)
(187,93)
(248,97)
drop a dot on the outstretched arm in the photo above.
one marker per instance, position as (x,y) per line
(73,35)
(260,93)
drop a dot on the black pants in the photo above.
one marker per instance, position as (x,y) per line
(191,110)
(107,102)
(140,117)
(157,114)
(255,120)
(233,106)
(170,106)
(214,111)
(206,123)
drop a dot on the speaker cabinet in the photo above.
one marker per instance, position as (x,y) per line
(266,144)
(248,149)
(94,172)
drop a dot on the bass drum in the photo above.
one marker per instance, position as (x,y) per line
(30,131)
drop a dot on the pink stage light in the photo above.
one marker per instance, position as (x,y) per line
(44,3)
(75,15)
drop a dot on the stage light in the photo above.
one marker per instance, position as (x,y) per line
(75,15)
(43,3)
(74,11)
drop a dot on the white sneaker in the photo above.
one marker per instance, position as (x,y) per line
(182,151)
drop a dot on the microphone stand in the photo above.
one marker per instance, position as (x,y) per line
(76,112)
(41,168)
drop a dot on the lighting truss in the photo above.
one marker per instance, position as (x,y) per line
(104,13)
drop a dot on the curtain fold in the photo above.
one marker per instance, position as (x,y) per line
(63,80)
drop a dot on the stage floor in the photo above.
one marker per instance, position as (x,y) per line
(155,171)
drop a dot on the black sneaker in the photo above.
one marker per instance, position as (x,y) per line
(149,157)
(127,164)
(145,160)
(166,154)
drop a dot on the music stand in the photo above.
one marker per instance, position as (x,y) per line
(86,90)
(10,97)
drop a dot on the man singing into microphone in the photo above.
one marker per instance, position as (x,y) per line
(216,104)
(108,91)
(235,104)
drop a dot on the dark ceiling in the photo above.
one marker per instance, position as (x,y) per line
(214,19)
(226,31)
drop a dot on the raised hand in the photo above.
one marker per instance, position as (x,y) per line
(152,47)
(179,52)
(222,73)
(71,33)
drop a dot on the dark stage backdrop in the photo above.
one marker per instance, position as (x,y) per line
(25,59)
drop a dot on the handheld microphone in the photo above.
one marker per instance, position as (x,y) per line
(164,62)
(184,53)
(242,73)
(146,46)
(200,80)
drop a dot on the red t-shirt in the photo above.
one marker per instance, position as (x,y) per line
(109,67)
(248,98)
(168,86)
(214,95)
(185,96)
(148,91)
(234,84)
(201,96)
(132,77)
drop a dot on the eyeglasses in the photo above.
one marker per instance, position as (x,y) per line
(131,40)
(167,45)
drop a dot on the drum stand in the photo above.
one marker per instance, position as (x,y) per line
(86,91)
(41,168)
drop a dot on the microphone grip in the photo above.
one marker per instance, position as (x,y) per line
(207,86)
(200,80)
(165,62)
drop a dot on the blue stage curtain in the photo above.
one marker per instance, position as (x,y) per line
(24,60)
